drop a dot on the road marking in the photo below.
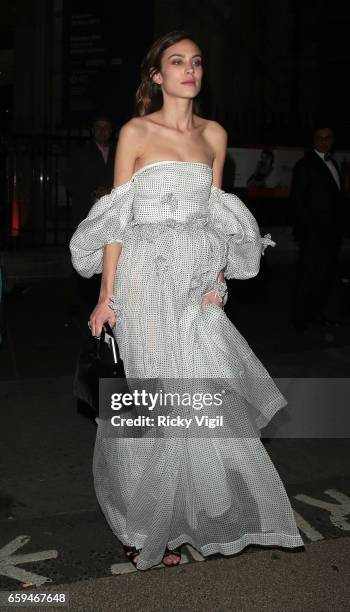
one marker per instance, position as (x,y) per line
(8,561)
(304,526)
(337,512)
(194,553)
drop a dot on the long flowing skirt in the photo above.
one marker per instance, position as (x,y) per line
(218,493)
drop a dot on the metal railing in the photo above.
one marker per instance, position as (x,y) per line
(35,207)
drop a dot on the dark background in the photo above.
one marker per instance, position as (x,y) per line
(101,57)
(273,69)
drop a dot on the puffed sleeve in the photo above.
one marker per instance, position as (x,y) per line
(244,244)
(105,223)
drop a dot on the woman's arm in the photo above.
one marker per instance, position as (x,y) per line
(217,138)
(111,255)
(126,155)
(102,312)
(218,142)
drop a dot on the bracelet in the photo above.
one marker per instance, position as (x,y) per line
(220,290)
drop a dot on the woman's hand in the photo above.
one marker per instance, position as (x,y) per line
(100,315)
(211,298)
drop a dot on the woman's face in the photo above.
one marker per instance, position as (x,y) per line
(181,70)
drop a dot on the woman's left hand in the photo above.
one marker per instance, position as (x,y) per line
(211,298)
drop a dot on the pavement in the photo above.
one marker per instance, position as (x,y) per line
(315,579)
(53,536)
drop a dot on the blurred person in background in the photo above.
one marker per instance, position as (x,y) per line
(88,176)
(90,170)
(317,201)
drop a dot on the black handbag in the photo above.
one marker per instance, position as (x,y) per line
(99,358)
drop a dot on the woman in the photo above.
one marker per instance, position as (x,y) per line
(165,239)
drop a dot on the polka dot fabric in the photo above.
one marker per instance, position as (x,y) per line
(217,493)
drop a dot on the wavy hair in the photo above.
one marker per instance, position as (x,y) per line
(149,97)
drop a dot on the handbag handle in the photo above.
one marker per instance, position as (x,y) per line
(106,329)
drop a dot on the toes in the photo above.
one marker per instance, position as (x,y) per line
(171,560)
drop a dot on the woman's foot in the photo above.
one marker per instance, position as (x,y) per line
(132,554)
(171,557)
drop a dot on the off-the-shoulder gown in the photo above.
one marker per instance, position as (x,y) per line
(217,493)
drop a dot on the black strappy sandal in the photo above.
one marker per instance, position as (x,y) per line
(131,552)
(176,552)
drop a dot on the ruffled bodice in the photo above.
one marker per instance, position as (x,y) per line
(173,194)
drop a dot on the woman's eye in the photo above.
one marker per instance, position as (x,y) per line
(195,62)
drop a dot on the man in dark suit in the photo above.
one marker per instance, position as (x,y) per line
(89,175)
(90,170)
(317,200)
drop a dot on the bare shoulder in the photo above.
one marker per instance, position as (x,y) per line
(215,134)
(133,129)
(130,145)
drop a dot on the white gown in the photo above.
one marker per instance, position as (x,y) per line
(217,493)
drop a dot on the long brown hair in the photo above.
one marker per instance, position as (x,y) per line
(149,97)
